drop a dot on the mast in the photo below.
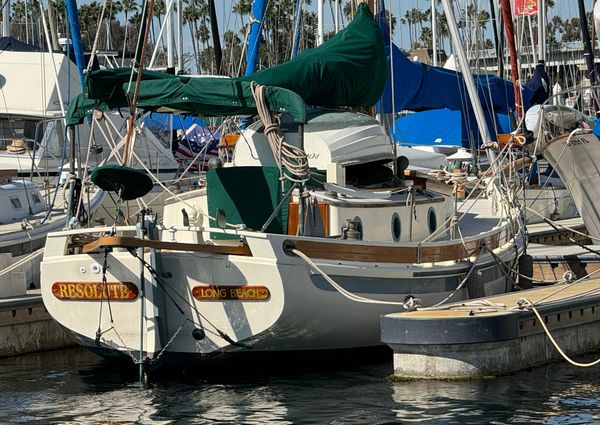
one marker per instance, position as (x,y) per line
(434,33)
(214,29)
(499,47)
(297,20)
(6,19)
(319,22)
(73,17)
(179,37)
(542,30)
(468,78)
(336,16)
(170,39)
(587,45)
(510,36)
(258,13)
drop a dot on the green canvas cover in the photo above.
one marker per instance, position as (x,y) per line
(247,195)
(347,70)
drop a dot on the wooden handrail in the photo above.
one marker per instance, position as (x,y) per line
(128,242)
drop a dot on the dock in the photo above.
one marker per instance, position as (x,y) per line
(26,326)
(496,335)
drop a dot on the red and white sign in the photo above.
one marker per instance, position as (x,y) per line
(526,7)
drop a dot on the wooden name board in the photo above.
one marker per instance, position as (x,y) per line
(94,291)
(223,293)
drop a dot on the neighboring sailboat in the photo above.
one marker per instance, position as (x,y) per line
(568,140)
(300,244)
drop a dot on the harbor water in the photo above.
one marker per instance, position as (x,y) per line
(75,386)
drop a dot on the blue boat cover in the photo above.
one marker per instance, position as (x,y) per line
(419,87)
(445,127)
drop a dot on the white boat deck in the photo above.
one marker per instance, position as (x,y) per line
(476,217)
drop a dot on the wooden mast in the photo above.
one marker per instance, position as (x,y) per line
(514,65)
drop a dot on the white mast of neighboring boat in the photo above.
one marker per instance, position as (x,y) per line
(170,39)
(336,15)
(179,37)
(468,78)
(6,19)
(319,22)
(434,33)
(542,30)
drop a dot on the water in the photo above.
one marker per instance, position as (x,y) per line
(74,386)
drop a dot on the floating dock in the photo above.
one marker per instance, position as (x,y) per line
(26,326)
(495,336)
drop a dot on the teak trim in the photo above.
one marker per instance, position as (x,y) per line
(127,242)
(425,253)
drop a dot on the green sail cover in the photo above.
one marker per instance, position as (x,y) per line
(201,96)
(347,70)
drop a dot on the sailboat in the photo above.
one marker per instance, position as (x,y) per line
(568,139)
(300,243)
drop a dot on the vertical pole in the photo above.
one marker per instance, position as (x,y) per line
(214,29)
(170,38)
(499,52)
(336,16)
(468,78)
(533,50)
(6,19)
(73,17)
(588,53)
(542,30)
(319,22)
(258,13)
(179,37)
(510,36)
(297,28)
(434,32)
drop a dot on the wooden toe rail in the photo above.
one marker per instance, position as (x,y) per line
(126,242)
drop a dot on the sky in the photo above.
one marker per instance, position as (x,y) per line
(398,7)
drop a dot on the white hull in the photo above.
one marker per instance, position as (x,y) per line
(302,312)
(578,165)
(549,202)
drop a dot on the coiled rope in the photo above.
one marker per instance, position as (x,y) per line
(291,160)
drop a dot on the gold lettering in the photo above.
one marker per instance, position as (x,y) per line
(62,291)
(124,292)
(79,290)
(88,291)
(115,291)
(71,291)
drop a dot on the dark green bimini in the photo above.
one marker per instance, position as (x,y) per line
(130,183)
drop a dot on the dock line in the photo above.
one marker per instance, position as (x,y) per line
(562,353)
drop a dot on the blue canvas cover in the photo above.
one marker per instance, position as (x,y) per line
(444,127)
(419,87)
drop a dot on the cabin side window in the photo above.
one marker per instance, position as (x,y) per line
(36,198)
(15,202)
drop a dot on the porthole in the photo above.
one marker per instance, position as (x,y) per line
(431,220)
(396,227)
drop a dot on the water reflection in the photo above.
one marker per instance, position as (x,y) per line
(74,386)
